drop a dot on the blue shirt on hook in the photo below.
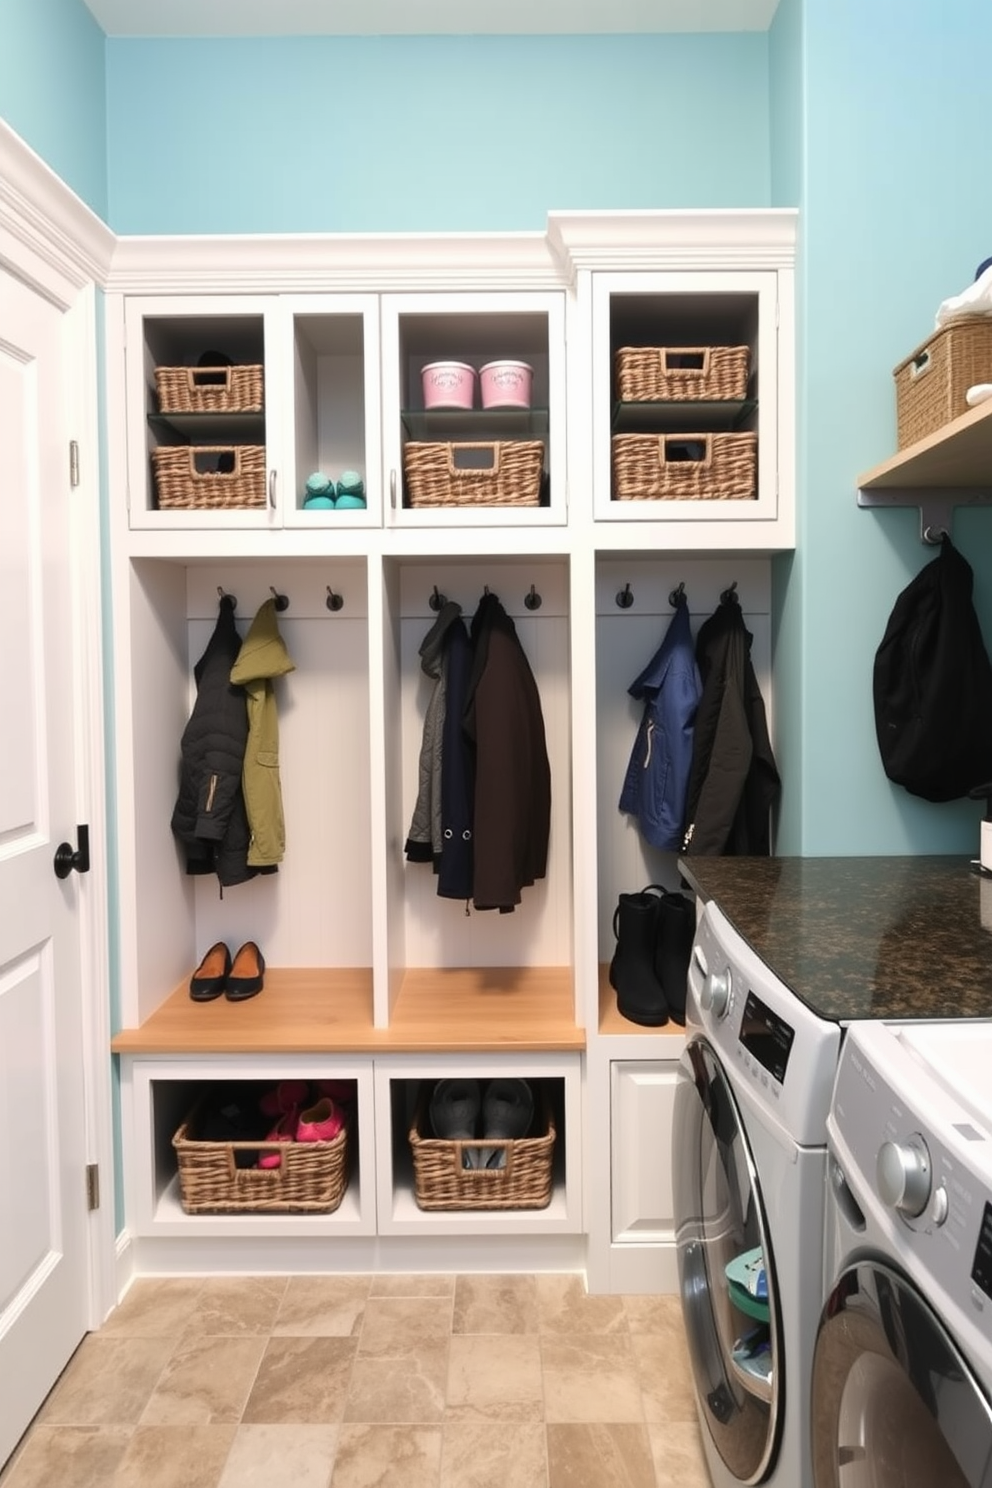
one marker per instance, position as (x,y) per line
(657,779)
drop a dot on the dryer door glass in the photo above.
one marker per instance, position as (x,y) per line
(726,1269)
(895,1405)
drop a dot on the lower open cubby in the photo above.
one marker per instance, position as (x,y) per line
(183,1121)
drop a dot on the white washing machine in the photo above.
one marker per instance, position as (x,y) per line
(902,1373)
(749,1165)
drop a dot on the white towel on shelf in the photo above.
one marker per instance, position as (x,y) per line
(975,300)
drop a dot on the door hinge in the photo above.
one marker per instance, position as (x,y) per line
(73,463)
(92,1186)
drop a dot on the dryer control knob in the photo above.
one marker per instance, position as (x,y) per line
(903,1175)
(939,1206)
(715,994)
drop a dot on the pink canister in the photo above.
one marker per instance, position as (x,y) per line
(506,384)
(448,385)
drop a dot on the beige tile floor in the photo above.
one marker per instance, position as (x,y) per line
(371,1382)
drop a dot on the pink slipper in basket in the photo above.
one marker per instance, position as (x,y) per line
(321,1123)
(285,1130)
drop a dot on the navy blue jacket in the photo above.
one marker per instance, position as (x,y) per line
(657,780)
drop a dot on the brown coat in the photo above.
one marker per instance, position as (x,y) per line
(512,774)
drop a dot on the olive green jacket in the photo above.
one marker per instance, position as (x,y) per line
(262,658)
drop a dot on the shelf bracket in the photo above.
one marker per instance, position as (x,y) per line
(936,507)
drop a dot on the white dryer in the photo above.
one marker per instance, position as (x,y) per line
(749,1165)
(902,1373)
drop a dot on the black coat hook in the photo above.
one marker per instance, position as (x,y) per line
(334,601)
(533,599)
(437,601)
(677,596)
(282,602)
(625,598)
(729,596)
(227,599)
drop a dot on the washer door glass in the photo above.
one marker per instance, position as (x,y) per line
(731,1321)
(894,1404)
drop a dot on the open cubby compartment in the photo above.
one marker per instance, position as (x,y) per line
(633,613)
(443,955)
(315,911)
(335,405)
(474,330)
(177,336)
(159,1094)
(688,310)
(400,1081)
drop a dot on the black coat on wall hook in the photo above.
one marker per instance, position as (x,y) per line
(533,599)
(334,601)
(729,596)
(230,600)
(437,601)
(625,598)
(282,601)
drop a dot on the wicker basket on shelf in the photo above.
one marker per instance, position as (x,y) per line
(311,1177)
(441,1181)
(511,475)
(209,389)
(685,467)
(649,374)
(180,483)
(932,381)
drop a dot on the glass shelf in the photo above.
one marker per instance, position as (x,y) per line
(225,428)
(474,423)
(680,416)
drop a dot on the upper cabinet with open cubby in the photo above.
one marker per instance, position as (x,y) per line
(235,402)
(499,459)
(687,356)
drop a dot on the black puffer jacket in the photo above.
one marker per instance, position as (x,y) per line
(733,779)
(209,818)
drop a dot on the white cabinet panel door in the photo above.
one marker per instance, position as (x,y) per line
(643,1100)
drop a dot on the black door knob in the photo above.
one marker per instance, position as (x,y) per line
(68,857)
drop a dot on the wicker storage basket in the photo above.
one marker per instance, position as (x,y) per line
(441,1182)
(648,374)
(179,483)
(685,467)
(512,478)
(932,381)
(311,1176)
(209,389)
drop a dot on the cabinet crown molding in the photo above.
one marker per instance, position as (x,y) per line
(759,238)
(302,263)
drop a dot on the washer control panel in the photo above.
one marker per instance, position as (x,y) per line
(776,1049)
(916,1157)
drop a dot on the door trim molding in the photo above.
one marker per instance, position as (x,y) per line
(48,235)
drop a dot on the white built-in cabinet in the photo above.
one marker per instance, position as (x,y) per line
(370,975)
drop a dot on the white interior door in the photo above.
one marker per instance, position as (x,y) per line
(44,1275)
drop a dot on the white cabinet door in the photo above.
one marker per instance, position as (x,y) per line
(706,456)
(495,466)
(643,1102)
(329,348)
(202,434)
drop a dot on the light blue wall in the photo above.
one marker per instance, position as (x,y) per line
(896,216)
(432,134)
(53,88)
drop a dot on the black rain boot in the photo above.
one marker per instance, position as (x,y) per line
(632,971)
(673,950)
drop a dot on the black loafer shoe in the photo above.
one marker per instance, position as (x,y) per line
(210,977)
(246,975)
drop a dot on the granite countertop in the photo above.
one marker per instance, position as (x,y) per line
(883,937)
